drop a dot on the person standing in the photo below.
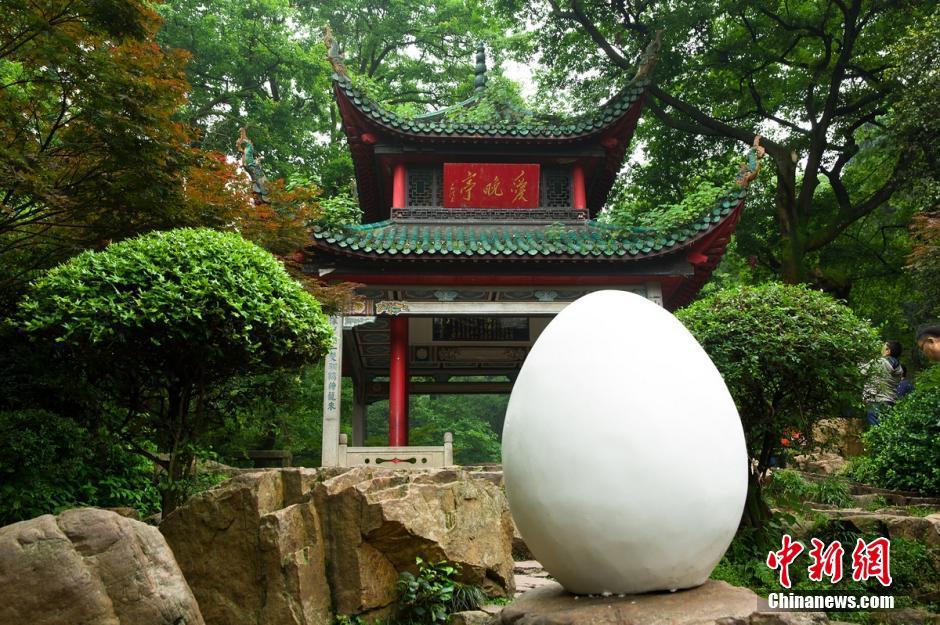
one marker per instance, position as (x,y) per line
(905,386)
(928,340)
(884,375)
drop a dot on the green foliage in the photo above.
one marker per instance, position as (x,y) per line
(342,619)
(789,489)
(667,216)
(49,463)
(280,410)
(913,118)
(433,594)
(789,355)
(192,303)
(877,503)
(340,210)
(500,99)
(436,65)
(475,421)
(90,150)
(725,69)
(158,325)
(832,490)
(921,510)
(263,65)
(904,448)
(185,487)
(475,438)
(254,64)
(928,380)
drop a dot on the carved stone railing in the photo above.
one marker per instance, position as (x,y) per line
(397,457)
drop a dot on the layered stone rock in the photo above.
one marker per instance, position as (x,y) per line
(921,529)
(91,566)
(290,546)
(379,521)
(252,550)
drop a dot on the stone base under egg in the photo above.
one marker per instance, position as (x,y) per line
(713,602)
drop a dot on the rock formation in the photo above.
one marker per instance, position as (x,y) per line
(289,546)
(90,566)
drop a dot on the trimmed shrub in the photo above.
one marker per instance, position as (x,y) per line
(789,355)
(157,325)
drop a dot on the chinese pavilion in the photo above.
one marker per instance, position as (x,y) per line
(474,235)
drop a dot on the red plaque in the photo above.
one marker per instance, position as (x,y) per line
(491,185)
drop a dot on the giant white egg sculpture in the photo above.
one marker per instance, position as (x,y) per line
(623,453)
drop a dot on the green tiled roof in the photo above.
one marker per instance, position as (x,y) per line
(591,239)
(526,127)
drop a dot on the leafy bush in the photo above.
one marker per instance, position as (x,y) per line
(832,490)
(433,594)
(928,380)
(904,448)
(788,489)
(692,207)
(158,324)
(49,462)
(789,355)
(340,210)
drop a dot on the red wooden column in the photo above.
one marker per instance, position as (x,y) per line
(398,384)
(398,186)
(577,187)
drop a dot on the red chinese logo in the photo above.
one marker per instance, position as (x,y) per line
(784,558)
(826,562)
(872,560)
(869,560)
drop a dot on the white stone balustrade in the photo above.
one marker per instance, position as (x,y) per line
(397,457)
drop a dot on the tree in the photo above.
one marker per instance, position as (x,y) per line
(469,419)
(789,355)
(419,53)
(263,65)
(254,64)
(156,325)
(925,259)
(89,149)
(813,76)
(916,121)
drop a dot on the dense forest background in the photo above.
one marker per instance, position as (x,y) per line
(119,117)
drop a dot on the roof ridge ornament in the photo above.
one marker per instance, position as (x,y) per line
(649,57)
(334,54)
(751,167)
(252,164)
(479,80)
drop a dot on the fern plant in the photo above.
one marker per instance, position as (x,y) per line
(434,593)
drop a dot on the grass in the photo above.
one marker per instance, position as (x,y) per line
(877,502)
(789,490)
(922,511)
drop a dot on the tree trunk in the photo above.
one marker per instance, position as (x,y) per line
(789,221)
(792,253)
(756,511)
(173,494)
(181,458)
